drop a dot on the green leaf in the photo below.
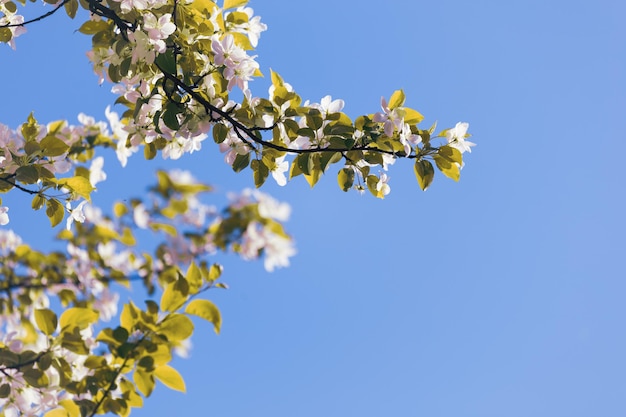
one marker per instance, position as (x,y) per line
(38,202)
(53,146)
(176,327)
(91,27)
(167,62)
(207,310)
(78,317)
(396,99)
(230,4)
(71,7)
(54,211)
(424,172)
(220,132)
(46,320)
(261,172)
(170,116)
(5,35)
(345,178)
(5,390)
(27,174)
(241,162)
(170,377)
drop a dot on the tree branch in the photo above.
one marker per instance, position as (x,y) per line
(43,16)
(238,126)
(19,187)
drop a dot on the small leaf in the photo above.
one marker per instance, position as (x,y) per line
(170,378)
(345,178)
(91,27)
(54,211)
(207,310)
(424,172)
(46,320)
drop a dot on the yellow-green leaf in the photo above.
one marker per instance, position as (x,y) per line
(174,295)
(194,276)
(53,146)
(170,377)
(55,211)
(46,320)
(207,310)
(345,178)
(396,99)
(57,412)
(78,317)
(448,168)
(144,382)
(91,27)
(425,173)
(71,408)
(230,4)
(176,327)
(80,185)
(412,117)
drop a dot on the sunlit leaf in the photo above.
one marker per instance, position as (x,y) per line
(207,310)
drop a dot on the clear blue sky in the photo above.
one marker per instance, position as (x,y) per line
(500,295)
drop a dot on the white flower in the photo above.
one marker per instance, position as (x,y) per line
(456,137)
(279,170)
(96,174)
(381,186)
(141,216)
(76,214)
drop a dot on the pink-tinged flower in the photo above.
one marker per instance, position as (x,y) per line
(233,146)
(128,5)
(4,216)
(408,138)
(158,29)
(227,52)
(456,137)
(76,214)
(391,119)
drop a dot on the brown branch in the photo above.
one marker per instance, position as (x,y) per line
(238,126)
(19,187)
(43,16)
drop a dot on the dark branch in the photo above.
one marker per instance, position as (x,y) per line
(37,19)
(19,187)
(238,126)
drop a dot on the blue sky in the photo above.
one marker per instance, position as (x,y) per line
(500,295)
